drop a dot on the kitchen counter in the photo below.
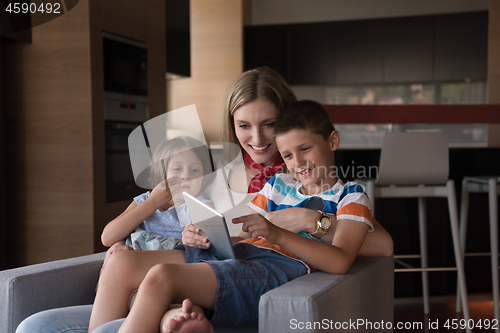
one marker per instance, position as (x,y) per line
(468,126)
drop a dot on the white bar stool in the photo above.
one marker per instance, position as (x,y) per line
(416,165)
(490,185)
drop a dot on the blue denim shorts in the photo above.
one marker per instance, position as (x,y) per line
(242,281)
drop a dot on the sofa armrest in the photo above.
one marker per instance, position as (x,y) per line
(319,301)
(27,290)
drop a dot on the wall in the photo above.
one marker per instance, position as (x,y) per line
(494,67)
(216,60)
(300,11)
(49,142)
(494,53)
(55,139)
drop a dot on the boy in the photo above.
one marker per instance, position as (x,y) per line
(272,256)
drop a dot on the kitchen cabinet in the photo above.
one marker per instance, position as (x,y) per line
(407,46)
(460,46)
(312,53)
(451,47)
(268,46)
(359,52)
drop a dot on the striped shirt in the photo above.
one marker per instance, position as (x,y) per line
(345,201)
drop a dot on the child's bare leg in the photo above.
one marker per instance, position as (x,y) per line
(166,284)
(123,273)
(188,318)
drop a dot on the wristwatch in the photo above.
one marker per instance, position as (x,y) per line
(323,225)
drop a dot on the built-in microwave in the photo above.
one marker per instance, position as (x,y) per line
(125,65)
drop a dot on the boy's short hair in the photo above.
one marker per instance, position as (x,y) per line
(305,115)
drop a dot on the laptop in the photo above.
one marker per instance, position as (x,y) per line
(212,225)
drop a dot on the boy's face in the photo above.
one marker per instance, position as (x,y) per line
(188,168)
(309,157)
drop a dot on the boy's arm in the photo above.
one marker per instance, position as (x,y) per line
(335,258)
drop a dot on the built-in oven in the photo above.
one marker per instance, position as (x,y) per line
(125,108)
(120,182)
(123,114)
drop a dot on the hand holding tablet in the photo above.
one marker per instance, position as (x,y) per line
(212,225)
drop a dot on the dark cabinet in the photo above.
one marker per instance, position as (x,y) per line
(359,51)
(178,37)
(460,46)
(449,47)
(267,46)
(408,54)
(312,53)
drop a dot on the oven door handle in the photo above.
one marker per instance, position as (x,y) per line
(124,126)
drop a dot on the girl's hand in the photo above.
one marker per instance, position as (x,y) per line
(295,219)
(119,246)
(257,226)
(191,236)
(162,194)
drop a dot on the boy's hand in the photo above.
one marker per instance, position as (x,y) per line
(257,226)
(191,236)
(296,219)
(162,194)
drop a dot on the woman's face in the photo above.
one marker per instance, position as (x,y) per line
(254,124)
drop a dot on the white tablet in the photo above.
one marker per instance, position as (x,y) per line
(212,225)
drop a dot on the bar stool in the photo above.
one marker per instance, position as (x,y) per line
(416,165)
(490,185)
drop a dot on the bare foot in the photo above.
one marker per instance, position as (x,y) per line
(187,319)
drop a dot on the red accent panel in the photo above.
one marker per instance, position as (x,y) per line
(414,114)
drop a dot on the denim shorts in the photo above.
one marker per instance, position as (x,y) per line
(242,281)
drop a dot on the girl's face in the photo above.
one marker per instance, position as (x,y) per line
(254,123)
(188,168)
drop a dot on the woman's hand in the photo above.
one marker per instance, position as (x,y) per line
(163,193)
(257,226)
(295,219)
(191,236)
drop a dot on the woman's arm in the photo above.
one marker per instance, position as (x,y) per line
(377,243)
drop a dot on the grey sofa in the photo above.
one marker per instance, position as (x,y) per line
(317,302)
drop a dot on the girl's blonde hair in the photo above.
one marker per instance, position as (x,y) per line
(261,82)
(167,148)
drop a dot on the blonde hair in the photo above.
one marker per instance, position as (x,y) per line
(261,82)
(167,148)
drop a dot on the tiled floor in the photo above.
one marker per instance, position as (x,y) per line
(410,313)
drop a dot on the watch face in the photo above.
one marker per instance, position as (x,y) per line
(325,222)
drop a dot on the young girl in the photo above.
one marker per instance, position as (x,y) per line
(155,220)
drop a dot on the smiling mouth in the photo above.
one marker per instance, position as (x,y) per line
(306,171)
(260,148)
